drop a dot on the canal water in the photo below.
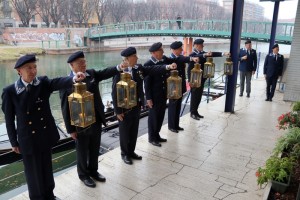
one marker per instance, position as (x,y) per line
(56,65)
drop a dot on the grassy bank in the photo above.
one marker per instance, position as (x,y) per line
(12,175)
(13,53)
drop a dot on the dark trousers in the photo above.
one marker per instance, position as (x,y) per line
(247,76)
(196,96)
(128,129)
(155,119)
(271,86)
(39,175)
(174,113)
(87,150)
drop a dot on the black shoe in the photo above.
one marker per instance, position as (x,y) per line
(200,116)
(241,95)
(195,117)
(173,130)
(89,182)
(179,128)
(162,140)
(127,160)
(270,99)
(156,143)
(98,177)
(136,157)
(267,99)
(248,95)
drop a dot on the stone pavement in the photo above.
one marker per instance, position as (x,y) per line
(214,158)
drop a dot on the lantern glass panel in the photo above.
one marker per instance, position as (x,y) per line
(88,110)
(75,112)
(126,92)
(228,67)
(174,85)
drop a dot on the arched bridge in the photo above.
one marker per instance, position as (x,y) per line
(256,31)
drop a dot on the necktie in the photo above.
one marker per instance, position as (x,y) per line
(276,57)
(28,87)
(248,52)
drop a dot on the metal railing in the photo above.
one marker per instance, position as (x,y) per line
(255,30)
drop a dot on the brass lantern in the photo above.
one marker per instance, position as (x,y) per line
(126,92)
(228,67)
(81,105)
(174,86)
(196,76)
(209,68)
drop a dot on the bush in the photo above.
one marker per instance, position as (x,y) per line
(289,120)
(290,143)
(296,106)
(277,169)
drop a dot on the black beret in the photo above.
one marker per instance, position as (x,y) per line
(25,59)
(198,41)
(128,52)
(176,45)
(275,46)
(248,42)
(155,47)
(74,56)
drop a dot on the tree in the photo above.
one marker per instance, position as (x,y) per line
(82,11)
(118,9)
(56,10)
(25,9)
(43,9)
(101,10)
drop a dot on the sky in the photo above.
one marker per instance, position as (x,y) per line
(287,9)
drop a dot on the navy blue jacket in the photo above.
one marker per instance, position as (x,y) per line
(273,67)
(250,64)
(35,129)
(139,72)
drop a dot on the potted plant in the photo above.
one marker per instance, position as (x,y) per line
(277,170)
(289,120)
(289,143)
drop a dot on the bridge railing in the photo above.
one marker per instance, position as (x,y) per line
(249,28)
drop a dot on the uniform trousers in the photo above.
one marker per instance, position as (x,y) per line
(247,76)
(196,96)
(174,109)
(128,129)
(271,86)
(156,118)
(87,150)
(39,175)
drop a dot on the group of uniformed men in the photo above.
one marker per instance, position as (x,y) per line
(35,132)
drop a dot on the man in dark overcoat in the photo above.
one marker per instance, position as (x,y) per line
(156,94)
(129,118)
(247,67)
(87,139)
(273,68)
(196,93)
(34,133)
(175,104)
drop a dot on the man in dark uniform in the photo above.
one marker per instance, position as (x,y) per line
(35,132)
(156,94)
(248,64)
(196,93)
(273,67)
(129,118)
(87,139)
(175,104)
